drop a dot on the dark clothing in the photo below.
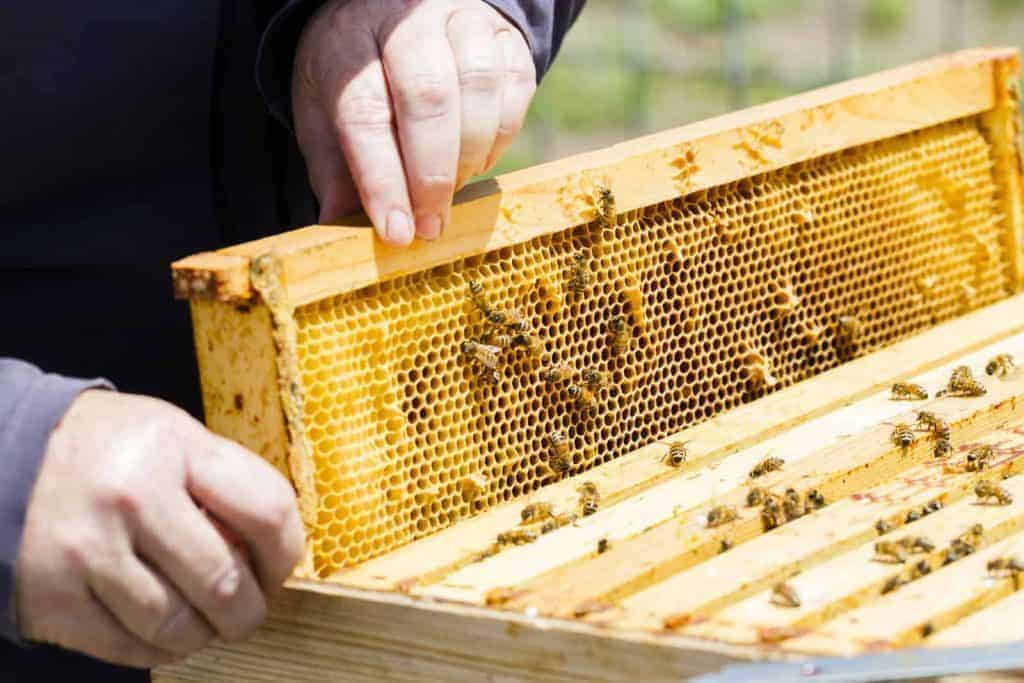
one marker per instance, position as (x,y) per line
(134,133)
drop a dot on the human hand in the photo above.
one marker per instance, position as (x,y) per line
(397,103)
(118,558)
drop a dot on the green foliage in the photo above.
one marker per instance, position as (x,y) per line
(698,15)
(885,15)
(1006,5)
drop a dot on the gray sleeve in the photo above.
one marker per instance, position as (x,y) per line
(544,24)
(31,404)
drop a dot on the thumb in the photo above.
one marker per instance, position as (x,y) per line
(328,171)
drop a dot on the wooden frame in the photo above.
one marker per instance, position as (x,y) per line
(326,260)
(562,616)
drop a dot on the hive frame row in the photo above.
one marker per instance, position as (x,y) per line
(240,354)
(344,632)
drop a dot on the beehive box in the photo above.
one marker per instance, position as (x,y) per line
(735,284)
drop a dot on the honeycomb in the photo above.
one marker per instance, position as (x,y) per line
(725,295)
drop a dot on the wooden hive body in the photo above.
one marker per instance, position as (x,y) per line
(768,267)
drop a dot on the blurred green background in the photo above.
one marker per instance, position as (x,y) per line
(631,67)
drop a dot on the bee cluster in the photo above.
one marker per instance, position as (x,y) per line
(961,382)
(537,519)
(508,331)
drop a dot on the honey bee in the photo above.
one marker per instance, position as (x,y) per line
(499,339)
(482,354)
(891,551)
(513,319)
(1011,565)
(721,514)
(584,399)
(849,329)
(903,435)
(883,526)
(756,496)
(932,506)
(530,342)
(590,498)
(792,504)
(559,459)
(537,511)
(558,521)
(490,376)
(784,595)
(931,422)
(517,537)
(765,466)
(620,336)
(962,383)
(815,500)
(606,205)
(943,448)
(557,373)
(906,391)
(594,378)
(986,490)
(917,544)
(602,546)
(676,454)
(978,458)
(921,568)
(580,275)
(477,297)
(725,545)
(893,583)
(772,515)
(1000,366)
(913,516)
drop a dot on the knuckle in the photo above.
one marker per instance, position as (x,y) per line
(119,496)
(479,76)
(174,629)
(222,584)
(365,111)
(435,184)
(424,95)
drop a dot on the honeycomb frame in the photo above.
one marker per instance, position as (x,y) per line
(268,303)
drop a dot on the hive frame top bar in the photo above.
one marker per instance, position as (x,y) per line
(321,261)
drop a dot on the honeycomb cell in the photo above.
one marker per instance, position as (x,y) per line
(726,295)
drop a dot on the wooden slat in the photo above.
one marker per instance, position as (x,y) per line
(432,558)
(905,616)
(325,260)
(1002,622)
(809,540)
(846,581)
(317,633)
(635,563)
(1002,126)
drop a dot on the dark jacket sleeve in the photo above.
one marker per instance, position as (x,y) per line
(31,404)
(544,24)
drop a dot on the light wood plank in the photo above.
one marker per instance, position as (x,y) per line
(927,605)
(845,582)
(326,260)
(635,563)
(318,633)
(1002,622)
(1002,126)
(432,558)
(809,540)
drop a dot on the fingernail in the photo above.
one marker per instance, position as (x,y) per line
(399,228)
(430,227)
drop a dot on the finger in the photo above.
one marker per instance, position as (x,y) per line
(520,85)
(480,64)
(179,541)
(264,511)
(424,87)
(329,175)
(358,102)
(147,605)
(105,638)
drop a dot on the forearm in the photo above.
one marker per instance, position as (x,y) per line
(31,404)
